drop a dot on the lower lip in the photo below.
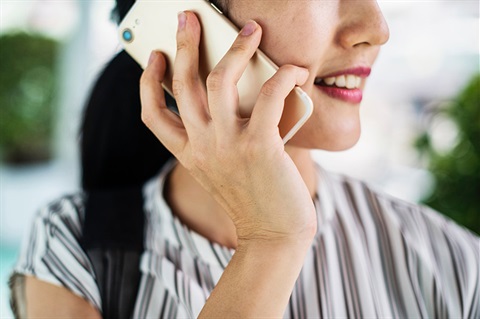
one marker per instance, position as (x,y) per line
(352,96)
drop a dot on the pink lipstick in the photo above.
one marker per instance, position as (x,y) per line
(344,85)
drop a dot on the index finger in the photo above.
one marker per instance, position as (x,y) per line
(222,81)
(165,124)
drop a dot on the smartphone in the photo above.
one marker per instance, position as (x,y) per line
(152,25)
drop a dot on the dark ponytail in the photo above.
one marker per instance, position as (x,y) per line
(118,155)
(117,149)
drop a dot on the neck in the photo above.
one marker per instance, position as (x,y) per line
(306,166)
(196,208)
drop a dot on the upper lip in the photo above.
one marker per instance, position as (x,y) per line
(360,71)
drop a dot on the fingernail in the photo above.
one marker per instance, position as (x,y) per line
(249,28)
(152,58)
(182,20)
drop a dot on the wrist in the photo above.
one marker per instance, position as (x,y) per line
(281,245)
(267,269)
(249,237)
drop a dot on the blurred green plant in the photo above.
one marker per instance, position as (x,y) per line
(456,172)
(27,88)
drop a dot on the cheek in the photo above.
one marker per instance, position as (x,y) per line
(301,44)
(304,38)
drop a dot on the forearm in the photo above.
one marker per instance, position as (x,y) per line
(258,280)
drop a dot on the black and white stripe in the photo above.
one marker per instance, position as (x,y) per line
(53,252)
(373,256)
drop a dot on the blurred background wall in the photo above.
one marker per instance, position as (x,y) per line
(420,125)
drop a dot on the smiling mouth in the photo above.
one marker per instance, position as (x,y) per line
(349,82)
(343,87)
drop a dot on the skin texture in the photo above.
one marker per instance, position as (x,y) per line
(49,301)
(240,168)
(332,35)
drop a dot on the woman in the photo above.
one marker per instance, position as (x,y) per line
(254,226)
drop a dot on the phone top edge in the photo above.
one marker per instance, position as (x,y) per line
(124,26)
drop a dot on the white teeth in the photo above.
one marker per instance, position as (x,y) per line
(329,81)
(349,81)
(340,81)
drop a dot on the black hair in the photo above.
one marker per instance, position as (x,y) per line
(117,149)
(118,155)
(121,9)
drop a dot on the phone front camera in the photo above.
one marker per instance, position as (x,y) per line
(127,35)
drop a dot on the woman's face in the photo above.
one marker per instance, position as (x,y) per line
(324,36)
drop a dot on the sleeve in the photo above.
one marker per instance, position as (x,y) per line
(51,251)
(443,262)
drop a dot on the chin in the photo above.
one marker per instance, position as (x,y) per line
(334,137)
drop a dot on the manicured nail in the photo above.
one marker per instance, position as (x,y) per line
(182,20)
(249,28)
(152,58)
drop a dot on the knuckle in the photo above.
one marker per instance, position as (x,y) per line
(144,79)
(271,87)
(288,68)
(253,148)
(289,73)
(252,151)
(182,45)
(223,154)
(216,80)
(188,162)
(199,161)
(146,118)
(177,87)
(239,48)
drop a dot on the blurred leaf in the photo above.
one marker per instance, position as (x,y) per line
(27,87)
(457,173)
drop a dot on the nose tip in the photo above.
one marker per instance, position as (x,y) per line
(366,25)
(378,33)
(383,30)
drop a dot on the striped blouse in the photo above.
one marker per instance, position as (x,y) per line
(373,256)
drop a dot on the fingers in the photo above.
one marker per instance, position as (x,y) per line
(222,81)
(186,85)
(176,133)
(166,125)
(270,103)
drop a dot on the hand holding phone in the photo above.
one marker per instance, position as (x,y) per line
(151,25)
(240,162)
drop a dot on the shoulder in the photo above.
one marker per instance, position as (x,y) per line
(443,257)
(59,219)
(430,255)
(66,213)
(52,251)
(54,222)
(412,219)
